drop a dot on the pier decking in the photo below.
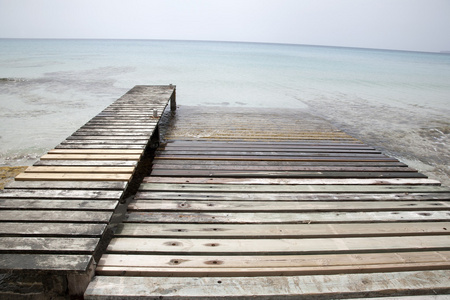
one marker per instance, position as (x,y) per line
(276,206)
(241,204)
(55,215)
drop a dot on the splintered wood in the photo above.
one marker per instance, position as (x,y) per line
(262,204)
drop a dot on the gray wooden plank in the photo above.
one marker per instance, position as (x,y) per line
(246,164)
(244,168)
(285,206)
(49,244)
(284,174)
(69,216)
(61,194)
(277,196)
(286,218)
(51,229)
(282,287)
(54,263)
(68,185)
(292,188)
(72,204)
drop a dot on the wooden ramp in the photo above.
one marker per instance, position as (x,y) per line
(54,216)
(309,212)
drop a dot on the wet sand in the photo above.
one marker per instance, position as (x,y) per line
(7,174)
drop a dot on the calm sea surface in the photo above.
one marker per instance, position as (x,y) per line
(398,101)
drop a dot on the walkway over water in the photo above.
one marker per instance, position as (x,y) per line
(276,204)
(55,216)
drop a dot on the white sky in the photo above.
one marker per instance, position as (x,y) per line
(421,25)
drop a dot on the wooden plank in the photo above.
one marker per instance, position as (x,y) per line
(291,181)
(285,206)
(281,230)
(80,169)
(52,229)
(48,244)
(60,194)
(99,163)
(134,157)
(72,204)
(78,216)
(103,146)
(295,287)
(286,218)
(282,144)
(73,176)
(54,263)
(246,164)
(291,188)
(68,169)
(248,145)
(313,153)
(263,151)
(285,246)
(77,185)
(245,168)
(101,134)
(137,139)
(269,265)
(277,196)
(284,174)
(280,158)
(94,151)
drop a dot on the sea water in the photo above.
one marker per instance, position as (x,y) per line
(396,100)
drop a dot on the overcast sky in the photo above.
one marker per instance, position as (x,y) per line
(421,25)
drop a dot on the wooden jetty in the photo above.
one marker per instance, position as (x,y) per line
(55,216)
(246,205)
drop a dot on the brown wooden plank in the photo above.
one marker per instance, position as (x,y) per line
(95,151)
(69,169)
(269,265)
(73,176)
(285,246)
(98,163)
(134,157)
(103,146)
(281,230)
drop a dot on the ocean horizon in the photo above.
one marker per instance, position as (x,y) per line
(398,101)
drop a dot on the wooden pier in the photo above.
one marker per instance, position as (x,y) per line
(55,215)
(253,205)
(265,204)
